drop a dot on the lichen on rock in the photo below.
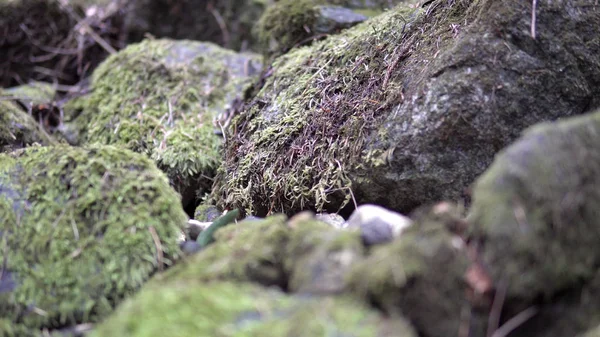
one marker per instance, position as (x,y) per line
(80,229)
(159,97)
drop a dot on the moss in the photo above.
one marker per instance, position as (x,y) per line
(79,229)
(159,97)
(294,140)
(536,208)
(319,257)
(17,128)
(247,251)
(419,275)
(10,329)
(190,308)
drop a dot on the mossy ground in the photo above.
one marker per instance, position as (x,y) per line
(159,97)
(190,308)
(79,230)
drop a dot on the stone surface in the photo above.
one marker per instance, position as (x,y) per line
(82,228)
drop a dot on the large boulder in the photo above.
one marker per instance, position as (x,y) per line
(189,308)
(160,97)
(536,214)
(408,107)
(80,229)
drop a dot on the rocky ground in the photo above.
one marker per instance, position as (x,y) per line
(299,168)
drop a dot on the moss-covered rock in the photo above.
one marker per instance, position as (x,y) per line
(408,107)
(17,127)
(159,97)
(537,208)
(288,23)
(302,255)
(80,229)
(190,308)
(419,275)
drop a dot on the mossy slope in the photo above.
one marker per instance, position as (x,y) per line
(80,229)
(408,107)
(159,97)
(190,308)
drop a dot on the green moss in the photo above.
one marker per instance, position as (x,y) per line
(294,142)
(159,97)
(537,209)
(10,329)
(78,230)
(319,257)
(189,308)
(17,128)
(247,251)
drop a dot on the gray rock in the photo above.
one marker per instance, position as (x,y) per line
(330,19)
(537,208)
(377,224)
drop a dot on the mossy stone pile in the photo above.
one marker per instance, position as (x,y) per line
(80,229)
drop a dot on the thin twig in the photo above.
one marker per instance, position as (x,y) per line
(159,251)
(515,322)
(533,6)
(494,318)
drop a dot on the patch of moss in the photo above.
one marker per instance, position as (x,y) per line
(293,142)
(80,229)
(536,208)
(17,128)
(10,329)
(247,251)
(190,308)
(159,97)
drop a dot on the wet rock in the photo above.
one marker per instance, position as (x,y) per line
(82,228)
(419,275)
(408,108)
(377,224)
(234,309)
(335,220)
(160,97)
(537,209)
